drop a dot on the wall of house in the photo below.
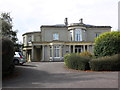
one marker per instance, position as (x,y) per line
(34,37)
(46,53)
(38,54)
(37,37)
(91,32)
(65,49)
(47,34)
(25,40)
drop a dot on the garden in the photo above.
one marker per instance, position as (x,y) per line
(106,55)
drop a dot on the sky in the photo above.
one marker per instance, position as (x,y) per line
(29,15)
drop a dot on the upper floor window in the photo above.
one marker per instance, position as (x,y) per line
(71,36)
(23,39)
(55,36)
(29,39)
(78,35)
(97,34)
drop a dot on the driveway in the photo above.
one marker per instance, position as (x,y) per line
(55,75)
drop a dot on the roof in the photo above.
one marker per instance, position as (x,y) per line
(31,32)
(55,26)
(88,25)
(93,26)
(74,24)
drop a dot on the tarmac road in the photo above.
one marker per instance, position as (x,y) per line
(55,75)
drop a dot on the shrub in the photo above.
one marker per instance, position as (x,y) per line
(7,56)
(66,58)
(86,53)
(107,63)
(75,61)
(107,44)
(83,63)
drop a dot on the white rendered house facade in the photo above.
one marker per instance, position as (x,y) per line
(52,42)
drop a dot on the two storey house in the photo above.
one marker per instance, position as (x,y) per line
(52,42)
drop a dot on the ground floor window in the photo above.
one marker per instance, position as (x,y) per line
(77,50)
(56,51)
(50,51)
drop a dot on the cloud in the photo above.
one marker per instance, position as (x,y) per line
(29,15)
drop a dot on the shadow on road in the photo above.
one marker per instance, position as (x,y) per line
(31,77)
(28,65)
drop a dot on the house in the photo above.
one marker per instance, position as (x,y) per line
(52,42)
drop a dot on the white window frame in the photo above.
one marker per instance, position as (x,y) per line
(97,34)
(56,51)
(55,36)
(71,36)
(29,39)
(78,35)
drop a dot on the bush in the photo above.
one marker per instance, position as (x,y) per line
(83,63)
(7,56)
(66,56)
(107,44)
(75,61)
(86,53)
(107,63)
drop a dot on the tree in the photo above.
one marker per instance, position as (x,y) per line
(107,44)
(7,30)
(7,27)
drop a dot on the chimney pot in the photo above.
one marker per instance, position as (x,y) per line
(81,20)
(66,21)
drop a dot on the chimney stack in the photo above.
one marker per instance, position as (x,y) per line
(66,21)
(81,21)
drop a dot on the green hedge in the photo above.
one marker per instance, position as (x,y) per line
(107,63)
(107,44)
(7,56)
(86,54)
(75,61)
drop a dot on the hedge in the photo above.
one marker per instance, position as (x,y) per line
(7,56)
(86,54)
(75,61)
(107,44)
(107,63)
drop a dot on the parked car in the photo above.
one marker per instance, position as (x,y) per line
(19,58)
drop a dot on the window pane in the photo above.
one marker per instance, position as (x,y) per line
(97,34)
(55,36)
(77,35)
(71,36)
(29,38)
(56,51)
(50,52)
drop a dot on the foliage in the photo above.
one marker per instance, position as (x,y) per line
(107,63)
(7,27)
(7,56)
(75,61)
(86,53)
(7,30)
(107,44)
(18,47)
(66,56)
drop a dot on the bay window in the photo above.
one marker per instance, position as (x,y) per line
(78,35)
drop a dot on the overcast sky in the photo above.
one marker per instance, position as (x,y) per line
(29,15)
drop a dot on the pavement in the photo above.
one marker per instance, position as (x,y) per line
(56,75)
